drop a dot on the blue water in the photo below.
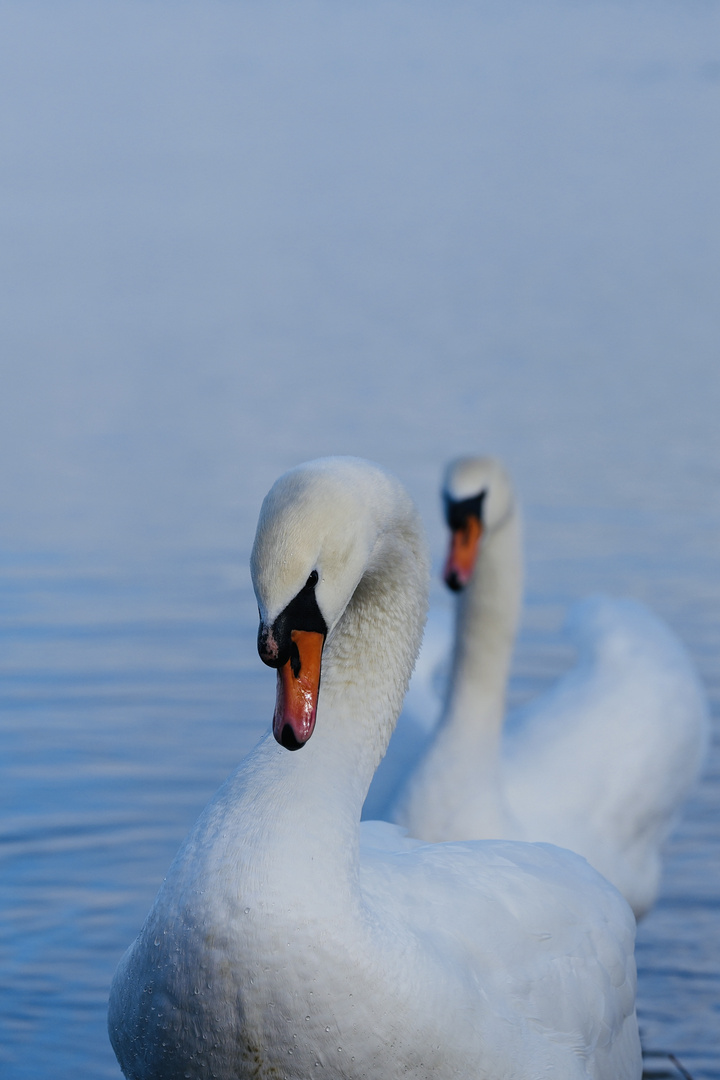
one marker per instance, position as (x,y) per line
(236,236)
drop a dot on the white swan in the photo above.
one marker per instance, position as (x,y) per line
(598,765)
(285,944)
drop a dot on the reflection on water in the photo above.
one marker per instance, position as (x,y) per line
(127,694)
(664,1066)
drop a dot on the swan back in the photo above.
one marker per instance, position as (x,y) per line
(618,741)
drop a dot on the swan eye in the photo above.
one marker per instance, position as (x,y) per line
(312,580)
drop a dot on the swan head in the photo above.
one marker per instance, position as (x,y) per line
(478,499)
(319,531)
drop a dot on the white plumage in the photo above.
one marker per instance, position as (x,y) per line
(288,941)
(600,764)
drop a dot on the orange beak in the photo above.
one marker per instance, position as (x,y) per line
(298,685)
(463,553)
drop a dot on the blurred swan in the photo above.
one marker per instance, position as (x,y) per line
(288,941)
(600,764)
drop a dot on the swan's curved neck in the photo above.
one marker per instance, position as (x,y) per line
(486,620)
(366,668)
(303,808)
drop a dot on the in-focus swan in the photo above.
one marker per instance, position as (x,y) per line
(598,765)
(286,941)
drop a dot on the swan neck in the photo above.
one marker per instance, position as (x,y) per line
(486,621)
(369,660)
(307,803)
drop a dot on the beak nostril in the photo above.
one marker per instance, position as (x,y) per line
(295,663)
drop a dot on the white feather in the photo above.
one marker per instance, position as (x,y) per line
(287,941)
(600,764)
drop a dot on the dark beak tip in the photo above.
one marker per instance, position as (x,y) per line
(453,582)
(288,740)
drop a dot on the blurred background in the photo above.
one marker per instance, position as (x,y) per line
(239,235)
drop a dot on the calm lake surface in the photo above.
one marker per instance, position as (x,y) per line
(237,236)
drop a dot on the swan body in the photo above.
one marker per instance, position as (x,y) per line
(288,941)
(600,764)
